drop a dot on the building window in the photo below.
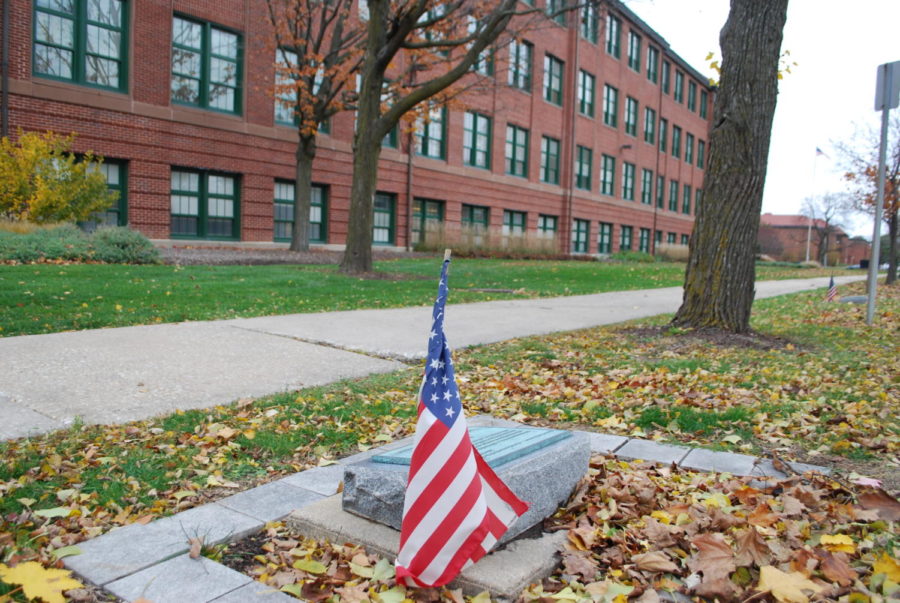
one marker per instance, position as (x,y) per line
(686,200)
(430,134)
(646,186)
(383,218)
(81,41)
(427,218)
(692,96)
(644,240)
(673,195)
(631,116)
(517,151)
(678,94)
(676,142)
(660,191)
(585,93)
(670,238)
(116,180)
(663,128)
(649,125)
(607,175)
(689,148)
(514,223)
(477,140)
(474,223)
(604,238)
(657,237)
(698,195)
(206,66)
(284,212)
(666,72)
(704,101)
(555,10)
(634,51)
(547,226)
(701,153)
(610,106)
(685,239)
(520,54)
(584,160)
(390,139)
(628,181)
(484,64)
(653,64)
(625,239)
(285,98)
(549,160)
(613,35)
(590,23)
(204,205)
(580,234)
(553,73)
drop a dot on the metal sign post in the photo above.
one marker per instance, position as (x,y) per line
(887,97)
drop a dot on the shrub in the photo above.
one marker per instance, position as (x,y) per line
(69,243)
(119,245)
(632,256)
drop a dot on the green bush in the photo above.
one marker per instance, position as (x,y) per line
(632,256)
(69,243)
(123,246)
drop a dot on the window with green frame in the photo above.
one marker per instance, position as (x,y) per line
(628,170)
(549,160)
(652,64)
(590,23)
(514,223)
(116,176)
(663,128)
(586,84)
(283,213)
(670,238)
(676,142)
(685,239)
(698,196)
(644,240)
(613,35)
(584,160)
(689,148)
(391,139)
(666,76)
(82,41)
(553,75)
(383,224)
(686,200)
(704,102)
(285,101)
(692,96)
(206,66)
(430,134)
(631,116)
(484,64)
(673,195)
(604,238)
(646,186)
(607,175)
(427,219)
(477,140)
(520,60)
(204,205)
(649,125)
(555,10)
(657,237)
(701,153)
(678,94)
(474,220)
(581,231)
(516,151)
(625,237)
(610,106)
(660,191)
(547,226)
(634,51)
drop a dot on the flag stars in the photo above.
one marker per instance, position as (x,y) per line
(434,381)
(447,395)
(450,413)
(434,398)
(444,380)
(433,334)
(436,364)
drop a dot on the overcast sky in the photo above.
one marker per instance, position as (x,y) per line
(837,46)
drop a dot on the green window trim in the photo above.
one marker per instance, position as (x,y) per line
(204,205)
(607,175)
(475,217)
(391,140)
(584,161)
(634,51)
(692,96)
(644,240)
(547,226)
(604,238)
(116,174)
(586,86)
(516,151)
(581,232)
(685,239)
(206,64)
(670,238)
(657,237)
(701,153)
(686,200)
(673,195)
(520,64)
(689,148)
(631,116)
(649,125)
(553,76)
(663,130)
(549,160)
(82,43)
(428,217)
(678,93)
(384,218)
(590,23)
(283,212)
(676,142)
(628,171)
(646,186)
(610,106)
(653,64)
(660,191)
(613,36)
(698,196)
(625,238)
(704,102)
(431,134)
(555,11)
(514,223)
(477,140)
(666,76)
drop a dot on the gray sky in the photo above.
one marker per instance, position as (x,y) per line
(837,47)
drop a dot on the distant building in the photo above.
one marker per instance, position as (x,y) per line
(595,136)
(784,237)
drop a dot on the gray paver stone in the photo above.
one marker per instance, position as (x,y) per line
(765,469)
(652,451)
(603,443)
(255,592)
(723,462)
(180,580)
(269,502)
(321,480)
(213,523)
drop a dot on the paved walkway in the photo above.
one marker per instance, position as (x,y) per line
(130,373)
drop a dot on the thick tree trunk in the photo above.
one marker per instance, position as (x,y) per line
(892,245)
(719,283)
(306,153)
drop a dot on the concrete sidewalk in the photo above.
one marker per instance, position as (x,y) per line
(129,373)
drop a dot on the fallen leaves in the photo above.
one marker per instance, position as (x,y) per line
(786,587)
(38,581)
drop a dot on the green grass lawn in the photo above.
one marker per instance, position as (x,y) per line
(44,298)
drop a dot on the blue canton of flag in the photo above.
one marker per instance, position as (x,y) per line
(439,391)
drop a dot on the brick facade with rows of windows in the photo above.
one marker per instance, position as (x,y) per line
(583,126)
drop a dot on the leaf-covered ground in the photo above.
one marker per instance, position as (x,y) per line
(819,386)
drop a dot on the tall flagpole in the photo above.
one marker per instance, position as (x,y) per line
(809,219)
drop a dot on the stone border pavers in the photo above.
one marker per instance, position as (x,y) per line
(151,560)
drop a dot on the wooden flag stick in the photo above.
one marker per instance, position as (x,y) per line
(446,254)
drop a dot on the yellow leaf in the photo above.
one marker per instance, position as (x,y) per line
(662,516)
(785,587)
(40,582)
(887,566)
(310,565)
(838,543)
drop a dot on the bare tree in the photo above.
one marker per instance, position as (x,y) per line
(719,283)
(827,215)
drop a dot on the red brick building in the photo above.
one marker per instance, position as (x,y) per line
(594,136)
(784,237)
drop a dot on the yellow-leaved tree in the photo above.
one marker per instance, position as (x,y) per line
(42,181)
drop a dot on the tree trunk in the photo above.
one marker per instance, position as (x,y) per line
(306,153)
(719,283)
(892,253)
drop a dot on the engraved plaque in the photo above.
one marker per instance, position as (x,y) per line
(498,445)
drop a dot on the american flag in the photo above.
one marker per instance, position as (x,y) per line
(832,291)
(456,508)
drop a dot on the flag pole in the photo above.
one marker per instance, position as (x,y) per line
(447,253)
